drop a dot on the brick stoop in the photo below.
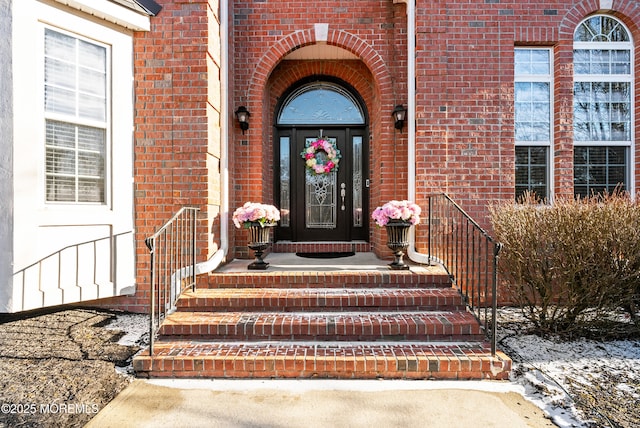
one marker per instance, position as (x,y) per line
(332,324)
(321,246)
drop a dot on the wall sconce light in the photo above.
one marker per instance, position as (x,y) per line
(399,113)
(243,118)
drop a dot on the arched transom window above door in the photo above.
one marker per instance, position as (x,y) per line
(320,103)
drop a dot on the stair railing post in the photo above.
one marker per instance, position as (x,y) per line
(494,300)
(168,248)
(429,231)
(151,245)
(193,251)
(464,250)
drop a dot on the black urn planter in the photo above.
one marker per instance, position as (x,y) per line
(398,242)
(258,242)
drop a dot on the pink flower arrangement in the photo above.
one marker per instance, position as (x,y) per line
(321,156)
(255,212)
(397,210)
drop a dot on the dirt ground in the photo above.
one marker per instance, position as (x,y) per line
(59,369)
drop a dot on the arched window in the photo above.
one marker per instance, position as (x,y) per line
(603,106)
(321,103)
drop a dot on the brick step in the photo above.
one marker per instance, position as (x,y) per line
(320,299)
(321,247)
(416,360)
(347,326)
(435,277)
(366,322)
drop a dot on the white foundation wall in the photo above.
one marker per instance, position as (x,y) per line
(68,264)
(6,157)
(54,253)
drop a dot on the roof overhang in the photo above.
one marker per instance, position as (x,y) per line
(148,7)
(131,14)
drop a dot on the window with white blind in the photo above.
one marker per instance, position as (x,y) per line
(602,106)
(76,118)
(533,130)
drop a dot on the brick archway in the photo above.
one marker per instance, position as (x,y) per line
(371,78)
(342,39)
(627,12)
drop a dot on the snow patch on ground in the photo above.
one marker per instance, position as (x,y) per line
(577,383)
(134,326)
(136,333)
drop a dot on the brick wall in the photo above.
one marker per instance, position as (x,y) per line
(265,32)
(464,82)
(464,99)
(177,129)
(465,73)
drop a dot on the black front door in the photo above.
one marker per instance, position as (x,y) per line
(325,206)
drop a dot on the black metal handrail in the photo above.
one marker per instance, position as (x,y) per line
(469,255)
(172,267)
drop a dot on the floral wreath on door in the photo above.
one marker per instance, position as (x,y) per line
(321,156)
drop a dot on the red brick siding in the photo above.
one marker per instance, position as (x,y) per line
(464,67)
(265,32)
(173,131)
(464,99)
(465,92)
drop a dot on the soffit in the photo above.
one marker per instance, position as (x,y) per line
(131,14)
(148,7)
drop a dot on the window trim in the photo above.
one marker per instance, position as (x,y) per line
(81,121)
(29,114)
(611,78)
(545,78)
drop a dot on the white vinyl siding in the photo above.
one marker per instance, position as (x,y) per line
(72,149)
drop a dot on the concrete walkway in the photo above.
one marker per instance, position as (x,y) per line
(319,403)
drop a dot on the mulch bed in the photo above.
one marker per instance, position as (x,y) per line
(59,369)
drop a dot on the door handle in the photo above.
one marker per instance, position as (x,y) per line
(343,193)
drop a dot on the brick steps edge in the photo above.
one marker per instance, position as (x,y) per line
(321,299)
(348,279)
(361,361)
(348,326)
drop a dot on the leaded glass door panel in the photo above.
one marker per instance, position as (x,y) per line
(321,202)
(329,206)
